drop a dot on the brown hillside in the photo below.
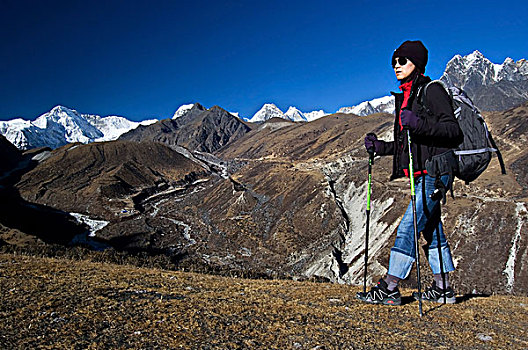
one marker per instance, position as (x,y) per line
(327,137)
(55,303)
(103,178)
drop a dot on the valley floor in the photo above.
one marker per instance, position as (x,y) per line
(61,303)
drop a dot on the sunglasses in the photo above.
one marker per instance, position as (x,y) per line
(402,61)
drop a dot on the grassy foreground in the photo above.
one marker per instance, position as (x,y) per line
(67,304)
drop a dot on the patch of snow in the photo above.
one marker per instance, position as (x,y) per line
(182,110)
(311,116)
(509,270)
(94,225)
(378,105)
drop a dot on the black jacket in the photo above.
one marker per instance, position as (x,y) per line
(437,131)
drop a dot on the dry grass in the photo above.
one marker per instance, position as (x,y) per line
(61,303)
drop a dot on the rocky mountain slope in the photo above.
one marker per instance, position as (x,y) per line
(289,201)
(10,156)
(105,185)
(198,129)
(493,87)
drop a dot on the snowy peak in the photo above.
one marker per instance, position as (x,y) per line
(294,115)
(183,110)
(491,86)
(268,111)
(114,126)
(477,69)
(63,125)
(377,105)
(310,116)
(68,122)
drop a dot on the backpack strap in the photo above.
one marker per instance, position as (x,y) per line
(499,155)
(422,93)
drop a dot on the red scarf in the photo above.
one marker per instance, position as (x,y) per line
(406,88)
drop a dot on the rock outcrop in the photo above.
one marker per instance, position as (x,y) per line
(197,130)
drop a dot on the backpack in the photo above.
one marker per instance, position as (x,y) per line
(474,154)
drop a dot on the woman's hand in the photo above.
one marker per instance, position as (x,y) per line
(409,119)
(371,142)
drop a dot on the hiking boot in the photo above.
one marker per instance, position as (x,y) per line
(380,294)
(437,295)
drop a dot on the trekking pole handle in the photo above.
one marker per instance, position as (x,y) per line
(371,151)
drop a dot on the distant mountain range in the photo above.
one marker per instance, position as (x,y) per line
(63,125)
(492,86)
(269,110)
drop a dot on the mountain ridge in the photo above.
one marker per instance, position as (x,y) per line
(491,86)
(63,125)
(198,129)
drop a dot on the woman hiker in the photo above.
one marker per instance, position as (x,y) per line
(434,131)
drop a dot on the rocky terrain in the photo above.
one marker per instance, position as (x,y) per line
(279,199)
(10,156)
(63,303)
(199,129)
(492,87)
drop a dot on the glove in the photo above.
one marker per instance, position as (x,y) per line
(409,119)
(371,142)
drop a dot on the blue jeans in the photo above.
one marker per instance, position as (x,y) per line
(429,224)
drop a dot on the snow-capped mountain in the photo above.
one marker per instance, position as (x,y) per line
(377,105)
(184,109)
(310,116)
(491,86)
(113,126)
(293,114)
(476,69)
(63,125)
(268,111)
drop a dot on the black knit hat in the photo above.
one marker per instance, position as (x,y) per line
(413,50)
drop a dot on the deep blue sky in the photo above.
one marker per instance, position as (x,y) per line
(143,59)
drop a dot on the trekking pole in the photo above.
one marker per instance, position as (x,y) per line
(369,192)
(415,222)
(442,273)
(438,194)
